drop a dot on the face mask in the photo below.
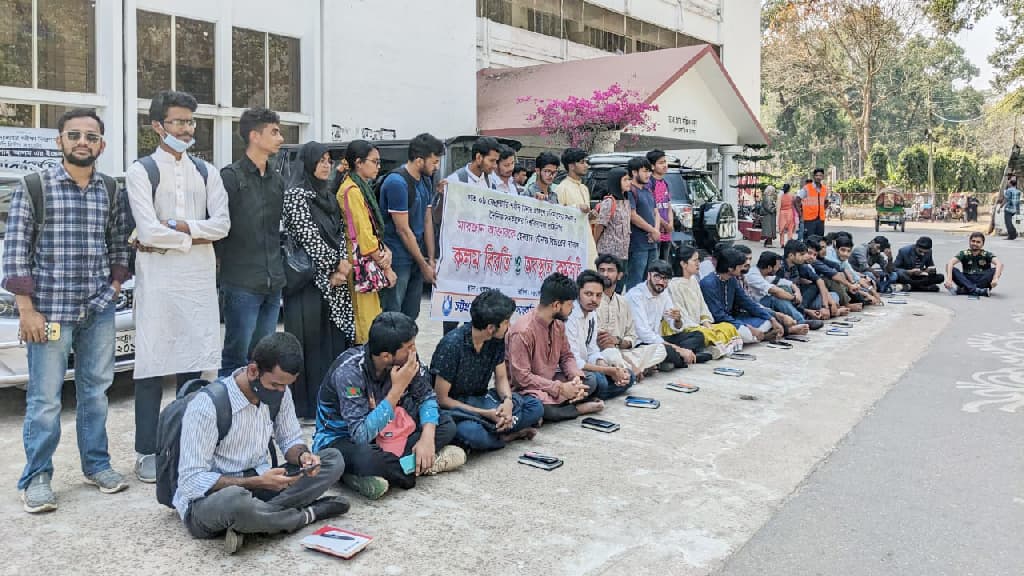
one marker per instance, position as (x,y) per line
(266,395)
(176,144)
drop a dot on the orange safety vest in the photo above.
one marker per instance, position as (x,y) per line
(814,204)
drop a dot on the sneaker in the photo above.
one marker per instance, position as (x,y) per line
(233,541)
(145,468)
(307,422)
(108,481)
(38,497)
(372,487)
(449,458)
(327,507)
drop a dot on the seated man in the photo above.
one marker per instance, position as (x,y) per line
(875,259)
(581,330)
(376,406)
(981,269)
(616,331)
(916,268)
(651,304)
(777,294)
(817,302)
(866,283)
(724,294)
(227,486)
(540,362)
(463,363)
(831,272)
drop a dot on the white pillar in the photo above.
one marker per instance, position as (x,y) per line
(729,168)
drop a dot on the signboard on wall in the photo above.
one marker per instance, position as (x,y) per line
(510,243)
(28,148)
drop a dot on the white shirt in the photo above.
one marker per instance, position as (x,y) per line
(202,460)
(757,285)
(581,331)
(507,186)
(648,312)
(707,268)
(482,181)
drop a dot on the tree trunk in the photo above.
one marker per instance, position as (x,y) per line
(864,142)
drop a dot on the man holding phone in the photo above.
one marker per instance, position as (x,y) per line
(65,257)
(915,266)
(227,486)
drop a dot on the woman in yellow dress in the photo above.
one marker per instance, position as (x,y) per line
(361,218)
(721,338)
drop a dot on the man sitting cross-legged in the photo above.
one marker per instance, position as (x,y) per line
(832,275)
(790,324)
(540,362)
(376,406)
(724,294)
(652,306)
(616,331)
(227,486)
(916,268)
(778,294)
(581,330)
(463,363)
(818,302)
(844,249)
(875,259)
(981,269)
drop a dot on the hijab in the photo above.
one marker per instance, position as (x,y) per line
(323,207)
(614,183)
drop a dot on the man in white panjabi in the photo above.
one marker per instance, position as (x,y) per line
(616,331)
(180,208)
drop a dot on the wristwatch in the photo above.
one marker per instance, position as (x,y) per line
(172,224)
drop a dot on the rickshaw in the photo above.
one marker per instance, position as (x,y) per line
(890,209)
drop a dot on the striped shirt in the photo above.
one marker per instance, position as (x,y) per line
(203,461)
(79,251)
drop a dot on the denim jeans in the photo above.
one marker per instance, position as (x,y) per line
(636,266)
(606,389)
(472,434)
(92,340)
(248,317)
(784,306)
(407,293)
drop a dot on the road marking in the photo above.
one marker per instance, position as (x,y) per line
(1002,387)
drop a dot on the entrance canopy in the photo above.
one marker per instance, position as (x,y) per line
(698,103)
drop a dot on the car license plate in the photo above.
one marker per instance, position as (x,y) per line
(124,343)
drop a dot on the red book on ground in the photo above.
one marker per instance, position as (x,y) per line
(336,541)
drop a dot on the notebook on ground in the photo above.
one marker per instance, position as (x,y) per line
(336,541)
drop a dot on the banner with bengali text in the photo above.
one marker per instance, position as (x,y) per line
(494,240)
(28,148)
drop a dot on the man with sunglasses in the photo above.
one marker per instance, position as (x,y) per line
(180,208)
(65,265)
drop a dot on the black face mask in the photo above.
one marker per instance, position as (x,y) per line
(271,398)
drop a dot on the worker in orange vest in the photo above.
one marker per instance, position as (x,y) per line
(814,201)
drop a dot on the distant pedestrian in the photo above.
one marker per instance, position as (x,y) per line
(180,208)
(251,267)
(1011,207)
(787,215)
(65,273)
(813,200)
(769,208)
(662,201)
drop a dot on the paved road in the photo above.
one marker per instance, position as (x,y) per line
(932,481)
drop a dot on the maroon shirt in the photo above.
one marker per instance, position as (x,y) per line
(539,358)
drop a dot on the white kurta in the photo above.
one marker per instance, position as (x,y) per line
(177,317)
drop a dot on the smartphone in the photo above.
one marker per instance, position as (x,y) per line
(782,345)
(53,331)
(842,324)
(681,387)
(798,338)
(408,463)
(539,461)
(599,425)
(642,402)
(837,332)
(742,356)
(735,372)
(853,318)
(897,300)
(300,471)
(542,457)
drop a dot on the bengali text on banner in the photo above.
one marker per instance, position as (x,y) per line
(511,243)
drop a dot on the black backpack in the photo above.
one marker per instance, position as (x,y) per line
(34,186)
(168,437)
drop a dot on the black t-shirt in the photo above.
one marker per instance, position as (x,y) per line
(975,264)
(458,362)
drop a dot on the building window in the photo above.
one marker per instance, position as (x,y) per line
(32,115)
(203,148)
(64,32)
(289,131)
(188,43)
(265,71)
(541,16)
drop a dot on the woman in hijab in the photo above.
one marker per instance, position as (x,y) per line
(611,227)
(320,312)
(361,219)
(768,214)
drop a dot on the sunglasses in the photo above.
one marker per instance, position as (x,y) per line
(90,137)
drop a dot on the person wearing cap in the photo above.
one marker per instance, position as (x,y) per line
(874,258)
(915,266)
(981,269)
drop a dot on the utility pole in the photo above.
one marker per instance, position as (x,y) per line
(931,152)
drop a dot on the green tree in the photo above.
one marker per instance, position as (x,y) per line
(912,167)
(880,161)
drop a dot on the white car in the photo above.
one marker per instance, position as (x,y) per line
(13,355)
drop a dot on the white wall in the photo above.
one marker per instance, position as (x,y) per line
(688,110)
(741,38)
(404,65)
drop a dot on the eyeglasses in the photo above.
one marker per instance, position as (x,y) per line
(181,122)
(661,277)
(548,172)
(90,137)
(372,161)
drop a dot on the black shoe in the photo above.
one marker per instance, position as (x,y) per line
(666,367)
(932,288)
(328,507)
(703,357)
(981,292)
(814,324)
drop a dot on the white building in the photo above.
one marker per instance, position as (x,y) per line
(333,69)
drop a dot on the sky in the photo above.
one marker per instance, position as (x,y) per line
(978,43)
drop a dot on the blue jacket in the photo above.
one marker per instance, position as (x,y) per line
(724,297)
